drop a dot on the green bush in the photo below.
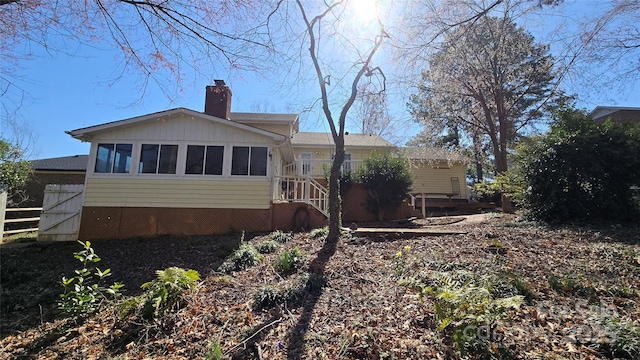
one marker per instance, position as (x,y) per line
(581,171)
(267,246)
(83,293)
(162,294)
(319,232)
(281,236)
(268,296)
(466,310)
(388,179)
(243,258)
(625,339)
(289,260)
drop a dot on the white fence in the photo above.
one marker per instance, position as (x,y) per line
(27,215)
(60,219)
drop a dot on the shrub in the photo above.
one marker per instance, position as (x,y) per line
(466,311)
(267,246)
(289,260)
(319,232)
(581,171)
(245,257)
(162,294)
(388,179)
(572,284)
(83,294)
(281,236)
(313,282)
(625,338)
(268,296)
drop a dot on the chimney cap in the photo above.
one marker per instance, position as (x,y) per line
(219,83)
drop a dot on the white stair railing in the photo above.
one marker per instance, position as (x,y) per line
(303,189)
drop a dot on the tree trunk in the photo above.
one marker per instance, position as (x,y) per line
(335,202)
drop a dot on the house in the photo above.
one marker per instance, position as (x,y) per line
(59,170)
(184,172)
(618,115)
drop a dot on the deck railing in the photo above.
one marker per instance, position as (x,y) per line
(318,168)
(302,189)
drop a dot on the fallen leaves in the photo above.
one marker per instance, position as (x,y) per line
(363,313)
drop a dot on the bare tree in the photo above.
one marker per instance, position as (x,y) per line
(372,113)
(157,40)
(329,15)
(607,48)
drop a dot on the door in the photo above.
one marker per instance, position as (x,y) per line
(306,164)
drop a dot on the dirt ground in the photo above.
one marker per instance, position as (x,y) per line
(360,313)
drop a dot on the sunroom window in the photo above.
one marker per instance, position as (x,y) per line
(158,159)
(249,160)
(113,158)
(205,160)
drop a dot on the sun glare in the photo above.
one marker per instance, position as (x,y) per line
(365,10)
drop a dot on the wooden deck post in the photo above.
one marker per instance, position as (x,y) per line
(424,207)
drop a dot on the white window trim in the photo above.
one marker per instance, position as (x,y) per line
(181,161)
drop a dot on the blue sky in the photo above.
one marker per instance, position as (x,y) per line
(69,92)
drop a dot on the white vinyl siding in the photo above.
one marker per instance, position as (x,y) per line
(177,193)
(179,128)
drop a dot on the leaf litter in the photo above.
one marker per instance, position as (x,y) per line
(357,312)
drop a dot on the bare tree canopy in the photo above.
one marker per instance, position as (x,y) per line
(157,40)
(608,47)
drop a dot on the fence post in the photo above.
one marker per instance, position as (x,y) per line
(3,210)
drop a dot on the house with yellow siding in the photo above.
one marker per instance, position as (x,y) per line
(185,172)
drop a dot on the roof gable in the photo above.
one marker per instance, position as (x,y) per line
(87,133)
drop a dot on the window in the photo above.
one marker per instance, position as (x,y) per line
(249,161)
(306,163)
(158,159)
(113,158)
(204,159)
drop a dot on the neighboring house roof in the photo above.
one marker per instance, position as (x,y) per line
(85,134)
(65,163)
(326,140)
(432,154)
(617,114)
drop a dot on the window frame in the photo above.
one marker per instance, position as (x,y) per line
(248,174)
(204,160)
(114,158)
(158,159)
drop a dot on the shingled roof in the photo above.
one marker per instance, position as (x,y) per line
(65,163)
(325,139)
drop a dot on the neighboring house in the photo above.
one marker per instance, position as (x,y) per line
(618,115)
(184,172)
(60,170)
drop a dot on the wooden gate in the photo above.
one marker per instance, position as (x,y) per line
(60,219)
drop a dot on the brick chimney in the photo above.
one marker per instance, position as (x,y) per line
(217,101)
